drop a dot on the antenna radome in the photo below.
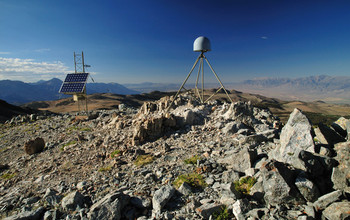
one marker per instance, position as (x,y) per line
(201,44)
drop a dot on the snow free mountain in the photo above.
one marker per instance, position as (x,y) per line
(17,92)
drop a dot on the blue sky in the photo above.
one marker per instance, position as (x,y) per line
(138,41)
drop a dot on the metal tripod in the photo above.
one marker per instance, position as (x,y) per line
(199,93)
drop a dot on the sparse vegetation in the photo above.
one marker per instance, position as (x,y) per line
(67,166)
(105,169)
(244,185)
(67,144)
(193,179)
(115,153)
(223,214)
(143,160)
(268,105)
(7,176)
(317,118)
(75,128)
(192,160)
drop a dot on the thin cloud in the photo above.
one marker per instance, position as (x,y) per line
(42,50)
(29,70)
(4,53)
(264,37)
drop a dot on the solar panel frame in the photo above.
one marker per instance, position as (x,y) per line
(72,88)
(76,77)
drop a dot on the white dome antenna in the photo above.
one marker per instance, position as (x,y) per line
(201,44)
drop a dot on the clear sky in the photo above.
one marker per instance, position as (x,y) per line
(133,41)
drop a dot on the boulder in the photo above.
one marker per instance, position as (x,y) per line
(323,201)
(229,190)
(330,134)
(295,136)
(233,127)
(338,211)
(341,173)
(242,160)
(278,183)
(229,176)
(109,207)
(307,188)
(185,189)
(240,208)
(141,203)
(206,210)
(51,197)
(72,201)
(342,126)
(28,215)
(320,137)
(161,197)
(34,146)
(241,111)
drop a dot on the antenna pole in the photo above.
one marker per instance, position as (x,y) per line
(82,57)
(75,64)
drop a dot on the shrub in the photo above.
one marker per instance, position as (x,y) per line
(223,214)
(244,185)
(67,144)
(143,160)
(105,169)
(193,179)
(115,153)
(192,160)
(7,176)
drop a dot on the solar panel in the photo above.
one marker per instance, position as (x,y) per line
(72,88)
(76,77)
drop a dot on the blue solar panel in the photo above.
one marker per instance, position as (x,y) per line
(72,88)
(76,77)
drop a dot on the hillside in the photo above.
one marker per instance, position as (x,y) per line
(8,111)
(213,161)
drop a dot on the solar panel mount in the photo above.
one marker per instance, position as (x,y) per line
(74,83)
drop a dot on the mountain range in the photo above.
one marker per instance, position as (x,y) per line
(331,89)
(17,92)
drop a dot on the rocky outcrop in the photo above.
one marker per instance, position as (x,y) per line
(152,128)
(193,162)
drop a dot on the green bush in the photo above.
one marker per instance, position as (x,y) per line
(7,176)
(115,153)
(223,214)
(105,169)
(143,160)
(192,160)
(193,179)
(244,185)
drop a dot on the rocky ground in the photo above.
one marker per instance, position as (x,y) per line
(214,161)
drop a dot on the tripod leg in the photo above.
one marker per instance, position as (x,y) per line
(202,99)
(218,78)
(199,72)
(194,65)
